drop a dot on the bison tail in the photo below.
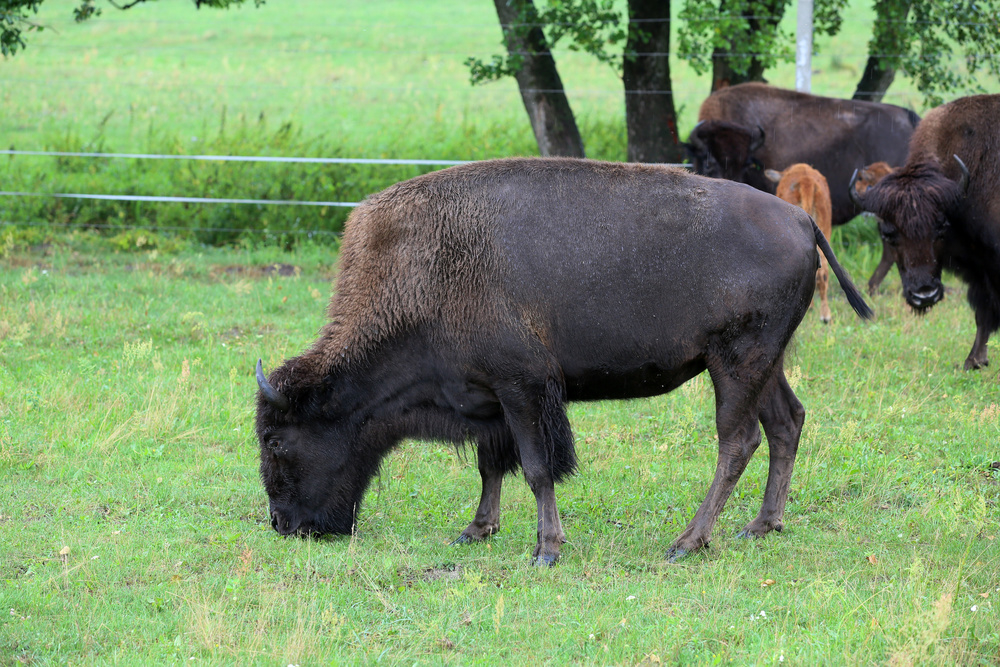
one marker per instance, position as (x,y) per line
(556,432)
(853,295)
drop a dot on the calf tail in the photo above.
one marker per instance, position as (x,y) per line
(853,295)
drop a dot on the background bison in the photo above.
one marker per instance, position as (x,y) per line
(942,210)
(474,302)
(834,136)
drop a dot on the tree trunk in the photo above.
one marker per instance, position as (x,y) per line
(538,80)
(889,37)
(723,73)
(875,81)
(650,115)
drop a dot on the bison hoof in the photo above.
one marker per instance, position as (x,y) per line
(675,554)
(972,364)
(757,529)
(545,560)
(747,534)
(461,539)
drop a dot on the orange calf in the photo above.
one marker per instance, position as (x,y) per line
(805,187)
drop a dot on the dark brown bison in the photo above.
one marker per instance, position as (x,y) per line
(942,210)
(473,303)
(834,136)
(725,150)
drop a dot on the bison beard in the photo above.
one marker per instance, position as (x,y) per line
(474,302)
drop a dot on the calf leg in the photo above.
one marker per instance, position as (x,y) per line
(739,437)
(822,281)
(782,416)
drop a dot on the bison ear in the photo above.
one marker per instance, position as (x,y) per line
(757,137)
(695,143)
(772,175)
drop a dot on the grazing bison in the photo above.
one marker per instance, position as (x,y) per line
(725,150)
(942,210)
(806,188)
(868,177)
(474,302)
(834,136)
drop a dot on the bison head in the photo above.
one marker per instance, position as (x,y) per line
(724,150)
(310,462)
(913,206)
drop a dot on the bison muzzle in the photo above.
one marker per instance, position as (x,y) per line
(474,302)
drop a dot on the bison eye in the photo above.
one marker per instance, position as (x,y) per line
(889,233)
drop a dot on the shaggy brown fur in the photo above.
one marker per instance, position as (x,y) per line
(806,188)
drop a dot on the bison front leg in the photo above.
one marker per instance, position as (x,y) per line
(739,437)
(782,416)
(537,419)
(487,519)
(978,354)
(884,264)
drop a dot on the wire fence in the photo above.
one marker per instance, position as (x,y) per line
(172,228)
(428,27)
(238,158)
(174,199)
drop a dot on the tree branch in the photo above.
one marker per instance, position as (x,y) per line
(129,5)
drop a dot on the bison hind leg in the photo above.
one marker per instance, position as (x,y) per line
(782,416)
(534,410)
(737,392)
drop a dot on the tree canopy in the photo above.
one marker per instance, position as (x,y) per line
(739,40)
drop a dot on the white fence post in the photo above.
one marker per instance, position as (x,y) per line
(803,47)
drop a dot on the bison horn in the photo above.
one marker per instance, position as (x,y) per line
(853,191)
(695,142)
(275,398)
(963,184)
(757,139)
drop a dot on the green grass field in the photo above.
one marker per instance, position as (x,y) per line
(133,524)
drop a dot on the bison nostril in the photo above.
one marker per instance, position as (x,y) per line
(927,295)
(274,520)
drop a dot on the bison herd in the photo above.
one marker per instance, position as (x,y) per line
(473,303)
